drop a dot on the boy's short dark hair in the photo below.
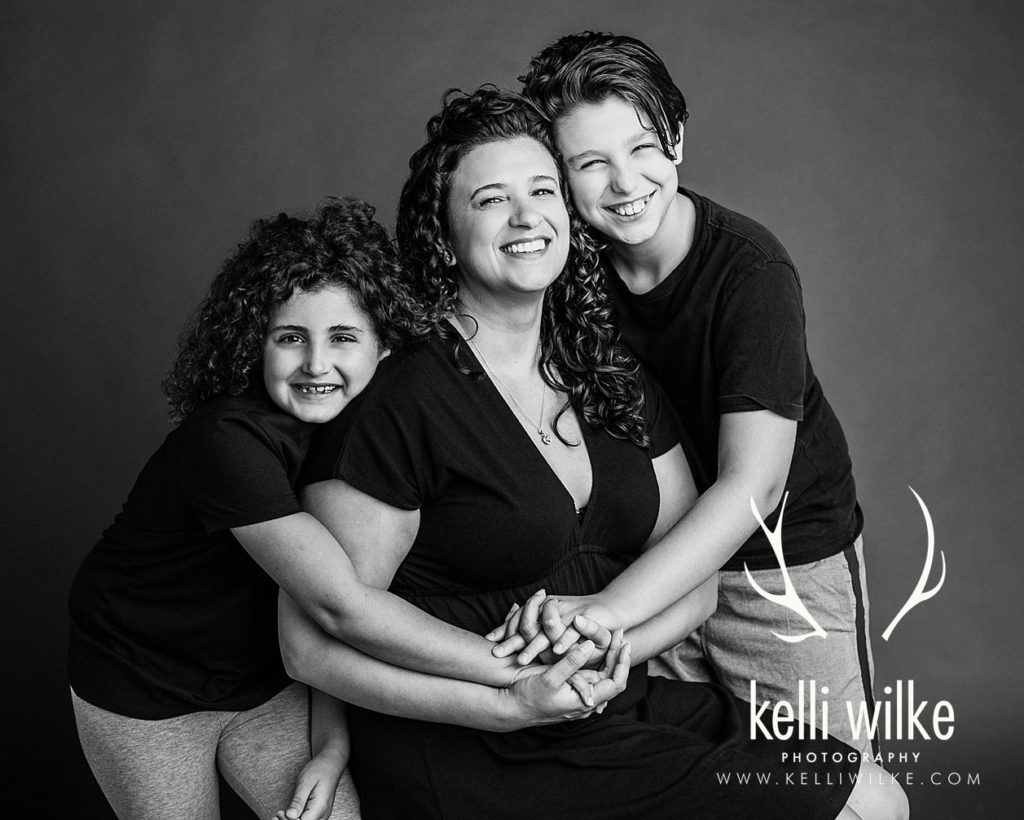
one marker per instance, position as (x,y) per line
(591,66)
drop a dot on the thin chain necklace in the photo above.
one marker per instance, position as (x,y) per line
(545,437)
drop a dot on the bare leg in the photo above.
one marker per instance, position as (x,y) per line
(877,796)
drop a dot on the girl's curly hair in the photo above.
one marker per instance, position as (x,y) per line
(339,244)
(580,350)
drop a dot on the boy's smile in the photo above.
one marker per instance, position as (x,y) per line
(622,182)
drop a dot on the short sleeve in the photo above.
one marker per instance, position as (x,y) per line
(663,426)
(232,472)
(377,445)
(759,345)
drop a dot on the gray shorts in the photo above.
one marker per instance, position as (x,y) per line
(736,645)
(167,769)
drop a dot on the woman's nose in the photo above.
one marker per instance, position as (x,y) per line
(525,215)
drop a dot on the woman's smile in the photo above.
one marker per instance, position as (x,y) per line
(526,247)
(509,224)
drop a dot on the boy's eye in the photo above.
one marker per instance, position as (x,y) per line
(591,163)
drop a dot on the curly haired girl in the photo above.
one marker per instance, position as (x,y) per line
(174,661)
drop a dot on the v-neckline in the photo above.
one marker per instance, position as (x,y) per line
(580,514)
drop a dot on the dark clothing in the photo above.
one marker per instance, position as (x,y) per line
(169,614)
(496,525)
(492,510)
(724,333)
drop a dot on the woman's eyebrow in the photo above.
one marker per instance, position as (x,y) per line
(277,328)
(489,186)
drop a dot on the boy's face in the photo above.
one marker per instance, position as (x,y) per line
(319,353)
(622,182)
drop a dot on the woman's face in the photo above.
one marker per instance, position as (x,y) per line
(319,352)
(509,225)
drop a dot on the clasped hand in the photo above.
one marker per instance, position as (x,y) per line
(549,629)
(567,689)
(544,628)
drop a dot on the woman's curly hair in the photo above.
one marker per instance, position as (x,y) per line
(339,244)
(580,349)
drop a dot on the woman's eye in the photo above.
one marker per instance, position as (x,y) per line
(343,338)
(544,192)
(290,339)
(491,200)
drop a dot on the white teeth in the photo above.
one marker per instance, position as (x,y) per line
(525,247)
(316,388)
(631,208)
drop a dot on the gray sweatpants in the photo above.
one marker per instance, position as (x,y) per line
(167,769)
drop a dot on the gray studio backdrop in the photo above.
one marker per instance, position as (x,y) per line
(880,141)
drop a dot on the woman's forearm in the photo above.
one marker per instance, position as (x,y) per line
(340,670)
(539,696)
(316,572)
(389,628)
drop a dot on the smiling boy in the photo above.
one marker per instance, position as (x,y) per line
(711,303)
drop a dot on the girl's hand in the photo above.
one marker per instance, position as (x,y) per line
(551,622)
(315,789)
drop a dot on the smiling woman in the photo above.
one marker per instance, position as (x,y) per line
(509,225)
(519,451)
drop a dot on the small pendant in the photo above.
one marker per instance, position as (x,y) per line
(544,437)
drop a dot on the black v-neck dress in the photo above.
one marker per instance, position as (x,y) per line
(496,524)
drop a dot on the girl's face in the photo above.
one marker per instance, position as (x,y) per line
(509,225)
(622,182)
(319,352)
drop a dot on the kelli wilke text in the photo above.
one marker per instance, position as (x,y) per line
(901,716)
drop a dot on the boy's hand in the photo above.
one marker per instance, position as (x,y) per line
(545,623)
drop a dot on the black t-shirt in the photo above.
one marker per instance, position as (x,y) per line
(724,333)
(169,614)
(494,518)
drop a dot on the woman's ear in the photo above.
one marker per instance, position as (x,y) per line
(677,149)
(446,255)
